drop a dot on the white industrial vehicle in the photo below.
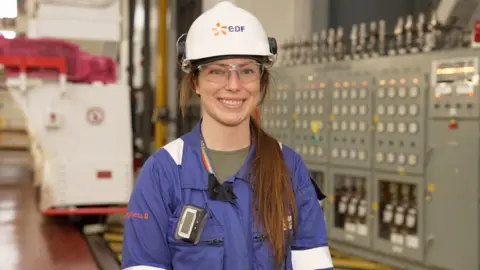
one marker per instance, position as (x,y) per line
(81,133)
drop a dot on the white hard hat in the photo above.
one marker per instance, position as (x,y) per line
(225,31)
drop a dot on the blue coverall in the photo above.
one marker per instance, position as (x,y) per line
(174,176)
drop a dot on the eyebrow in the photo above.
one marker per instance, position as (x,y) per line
(227,64)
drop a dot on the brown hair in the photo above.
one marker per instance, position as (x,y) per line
(273,197)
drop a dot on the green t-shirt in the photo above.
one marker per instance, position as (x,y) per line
(227,163)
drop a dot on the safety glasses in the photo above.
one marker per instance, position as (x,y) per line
(220,73)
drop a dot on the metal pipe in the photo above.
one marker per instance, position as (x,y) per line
(147,90)
(161,91)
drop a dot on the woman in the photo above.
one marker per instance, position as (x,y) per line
(226,195)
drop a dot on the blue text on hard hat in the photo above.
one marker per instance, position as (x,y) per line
(236,28)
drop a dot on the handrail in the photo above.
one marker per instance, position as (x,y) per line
(25,62)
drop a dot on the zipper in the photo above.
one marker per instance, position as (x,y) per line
(213,242)
(259,238)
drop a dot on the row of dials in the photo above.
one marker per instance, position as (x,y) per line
(401,92)
(396,158)
(352,110)
(391,110)
(276,109)
(401,110)
(401,127)
(353,154)
(311,150)
(362,126)
(380,157)
(354,93)
(310,94)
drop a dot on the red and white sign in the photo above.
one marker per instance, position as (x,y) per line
(95,116)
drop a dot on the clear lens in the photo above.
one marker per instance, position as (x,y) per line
(220,73)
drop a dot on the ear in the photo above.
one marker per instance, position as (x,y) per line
(196,86)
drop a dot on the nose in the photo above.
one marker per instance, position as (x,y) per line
(233,83)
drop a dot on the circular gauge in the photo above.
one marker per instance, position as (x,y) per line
(413,109)
(353,109)
(413,127)
(402,92)
(335,125)
(353,154)
(320,94)
(380,157)
(265,109)
(285,109)
(313,94)
(381,92)
(305,95)
(380,127)
(335,152)
(363,93)
(297,109)
(381,109)
(344,94)
(362,155)
(353,93)
(353,126)
(390,127)
(297,124)
(344,125)
(362,109)
(336,94)
(277,123)
(313,110)
(390,158)
(402,110)
(312,150)
(390,110)
(362,126)
(304,149)
(413,92)
(297,95)
(320,109)
(335,109)
(284,123)
(344,153)
(391,92)
(305,110)
(344,109)
(304,124)
(401,158)
(319,151)
(402,127)
(412,160)
(285,95)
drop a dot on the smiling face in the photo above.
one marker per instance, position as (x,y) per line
(229,89)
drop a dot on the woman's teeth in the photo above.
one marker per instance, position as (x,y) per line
(232,103)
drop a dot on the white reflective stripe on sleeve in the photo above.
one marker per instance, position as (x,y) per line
(312,259)
(143,267)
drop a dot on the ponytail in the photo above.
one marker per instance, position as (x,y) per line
(273,197)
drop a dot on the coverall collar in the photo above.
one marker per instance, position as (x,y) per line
(192,139)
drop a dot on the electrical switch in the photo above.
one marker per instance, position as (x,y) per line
(453,124)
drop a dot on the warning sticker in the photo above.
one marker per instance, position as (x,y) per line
(95,116)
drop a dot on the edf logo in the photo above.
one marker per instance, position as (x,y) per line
(223,29)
